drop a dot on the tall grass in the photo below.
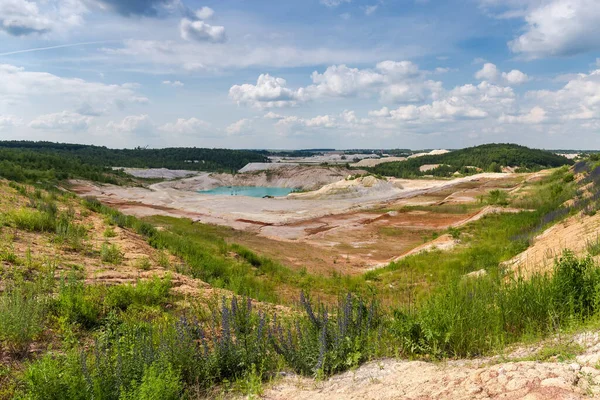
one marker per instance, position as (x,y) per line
(330,340)
(23,310)
(166,359)
(469,317)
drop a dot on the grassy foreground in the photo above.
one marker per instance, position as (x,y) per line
(62,337)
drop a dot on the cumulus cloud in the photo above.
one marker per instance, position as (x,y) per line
(64,120)
(18,84)
(132,124)
(173,83)
(201,31)
(9,121)
(392,81)
(578,99)
(535,116)
(205,13)
(268,92)
(146,8)
(489,72)
(25,17)
(186,126)
(559,28)
(244,126)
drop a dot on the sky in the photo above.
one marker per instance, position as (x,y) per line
(301,73)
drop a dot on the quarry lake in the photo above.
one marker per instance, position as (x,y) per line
(251,191)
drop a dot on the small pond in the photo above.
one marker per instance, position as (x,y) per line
(252,191)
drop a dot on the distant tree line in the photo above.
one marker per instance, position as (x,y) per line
(488,157)
(192,158)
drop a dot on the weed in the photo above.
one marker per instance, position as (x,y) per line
(110,253)
(109,232)
(143,263)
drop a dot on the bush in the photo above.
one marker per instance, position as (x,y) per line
(109,233)
(325,343)
(469,317)
(158,383)
(110,253)
(70,234)
(75,305)
(143,263)
(144,293)
(32,220)
(23,309)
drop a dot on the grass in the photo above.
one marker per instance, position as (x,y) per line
(111,253)
(471,317)
(23,311)
(139,341)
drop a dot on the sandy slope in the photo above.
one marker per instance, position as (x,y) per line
(489,378)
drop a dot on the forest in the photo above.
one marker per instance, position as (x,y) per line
(487,157)
(190,158)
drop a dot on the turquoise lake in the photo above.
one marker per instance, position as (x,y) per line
(251,191)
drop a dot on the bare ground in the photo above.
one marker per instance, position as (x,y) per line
(348,235)
(486,378)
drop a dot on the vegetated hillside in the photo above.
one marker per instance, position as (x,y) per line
(97,304)
(33,166)
(192,158)
(488,157)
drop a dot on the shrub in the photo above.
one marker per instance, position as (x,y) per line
(143,263)
(110,253)
(324,343)
(70,234)
(32,220)
(75,305)
(469,317)
(144,293)
(109,233)
(158,382)
(23,310)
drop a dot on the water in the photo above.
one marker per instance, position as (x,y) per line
(251,191)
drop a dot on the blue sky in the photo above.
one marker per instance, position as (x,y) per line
(300,74)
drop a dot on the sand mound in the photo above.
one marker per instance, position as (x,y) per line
(574,233)
(371,162)
(363,187)
(161,173)
(285,175)
(431,153)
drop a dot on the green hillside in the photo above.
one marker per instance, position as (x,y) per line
(488,157)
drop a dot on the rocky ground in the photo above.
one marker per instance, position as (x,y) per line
(488,378)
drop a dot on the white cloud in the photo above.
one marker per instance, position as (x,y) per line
(132,124)
(173,83)
(64,120)
(535,116)
(242,127)
(392,81)
(24,17)
(194,55)
(205,13)
(186,126)
(558,28)
(334,3)
(272,115)
(578,99)
(9,121)
(201,31)
(489,72)
(268,92)
(17,85)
